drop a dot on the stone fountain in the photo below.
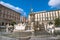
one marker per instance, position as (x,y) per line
(19,27)
(19,32)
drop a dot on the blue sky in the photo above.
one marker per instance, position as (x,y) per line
(37,5)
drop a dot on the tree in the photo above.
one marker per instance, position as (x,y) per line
(50,23)
(13,22)
(57,22)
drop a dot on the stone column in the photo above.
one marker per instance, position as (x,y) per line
(45,24)
(32,28)
(7,26)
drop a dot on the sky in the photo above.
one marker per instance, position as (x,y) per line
(24,6)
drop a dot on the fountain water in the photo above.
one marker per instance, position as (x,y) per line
(20,27)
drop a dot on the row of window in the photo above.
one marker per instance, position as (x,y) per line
(46,16)
(9,16)
(6,13)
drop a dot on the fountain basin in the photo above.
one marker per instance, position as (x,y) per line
(24,38)
(17,34)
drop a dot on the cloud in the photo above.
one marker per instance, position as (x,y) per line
(17,9)
(54,3)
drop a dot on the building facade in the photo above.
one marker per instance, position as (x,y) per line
(8,15)
(44,17)
(23,19)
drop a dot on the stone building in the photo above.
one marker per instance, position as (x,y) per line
(43,17)
(23,19)
(8,15)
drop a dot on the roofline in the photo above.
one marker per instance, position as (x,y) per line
(10,9)
(44,11)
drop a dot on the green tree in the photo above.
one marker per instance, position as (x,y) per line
(57,22)
(13,22)
(50,23)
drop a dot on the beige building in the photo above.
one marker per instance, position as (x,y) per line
(43,17)
(23,19)
(8,15)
